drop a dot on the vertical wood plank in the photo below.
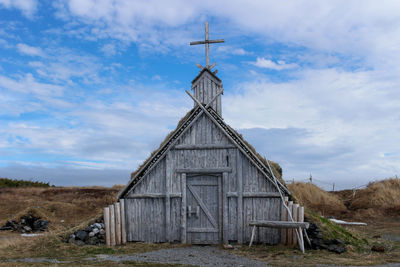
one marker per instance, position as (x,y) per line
(240,197)
(295,209)
(106,217)
(225,214)
(123,221)
(220,210)
(284,217)
(117,216)
(168,174)
(112,225)
(183,209)
(290,231)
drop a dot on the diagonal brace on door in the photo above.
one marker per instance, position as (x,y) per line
(203,206)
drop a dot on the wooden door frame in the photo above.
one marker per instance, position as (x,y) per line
(222,201)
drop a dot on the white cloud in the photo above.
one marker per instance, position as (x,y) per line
(109,49)
(29,50)
(27,7)
(350,118)
(269,64)
(370,30)
(232,50)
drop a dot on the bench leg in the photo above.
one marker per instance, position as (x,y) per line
(301,241)
(306,235)
(253,233)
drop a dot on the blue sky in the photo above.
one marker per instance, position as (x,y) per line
(89,88)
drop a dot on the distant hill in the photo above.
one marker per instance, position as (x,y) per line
(377,200)
(5,182)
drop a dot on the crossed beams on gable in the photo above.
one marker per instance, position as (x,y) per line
(162,151)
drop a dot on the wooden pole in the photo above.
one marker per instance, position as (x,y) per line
(183,209)
(290,231)
(295,211)
(284,217)
(123,223)
(106,216)
(117,210)
(112,225)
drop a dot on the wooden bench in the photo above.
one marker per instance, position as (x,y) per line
(280,224)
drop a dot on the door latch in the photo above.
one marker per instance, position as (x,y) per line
(195,212)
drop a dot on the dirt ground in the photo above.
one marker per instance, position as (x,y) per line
(69,207)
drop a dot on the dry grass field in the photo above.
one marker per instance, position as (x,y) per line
(68,208)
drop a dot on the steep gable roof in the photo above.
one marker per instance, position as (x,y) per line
(184,124)
(209,72)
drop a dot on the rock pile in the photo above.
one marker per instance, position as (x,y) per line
(92,235)
(317,241)
(27,224)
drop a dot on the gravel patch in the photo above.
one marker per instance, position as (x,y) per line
(194,255)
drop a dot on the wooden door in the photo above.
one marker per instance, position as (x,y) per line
(203,209)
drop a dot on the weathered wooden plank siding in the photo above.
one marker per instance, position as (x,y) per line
(204,131)
(153,182)
(262,209)
(206,88)
(146,219)
(254,180)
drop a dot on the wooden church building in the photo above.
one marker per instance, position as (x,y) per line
(205,183)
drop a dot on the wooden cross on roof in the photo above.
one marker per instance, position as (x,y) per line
(207,42)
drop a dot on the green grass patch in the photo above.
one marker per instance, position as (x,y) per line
(332,230)
(5,182)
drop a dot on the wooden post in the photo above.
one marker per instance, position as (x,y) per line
(295,212)
(225,211)
(106,216)
(290,231)
(284,217)
(168,173)
(183,209)
(123,223)
(117,210)
(112,225)
(240,197)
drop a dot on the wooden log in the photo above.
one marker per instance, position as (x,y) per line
(204,170)
(117,216)
(106,216)
(290,231)
(280,224)
(123,222)
(261,194)
(203,146)
(284,217)
(112,225)
(295,211)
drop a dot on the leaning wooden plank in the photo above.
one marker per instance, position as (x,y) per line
(123,222)
(280,224)
(106,216)
(112,225)
(253,233)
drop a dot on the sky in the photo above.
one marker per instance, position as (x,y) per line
(88,89)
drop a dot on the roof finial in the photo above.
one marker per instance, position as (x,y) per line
(207,42)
